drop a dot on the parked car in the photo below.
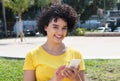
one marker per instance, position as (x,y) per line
(91,24)
(29,28)
(104,29)
(117,29)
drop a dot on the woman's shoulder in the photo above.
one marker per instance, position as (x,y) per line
(35,50)
(74,51)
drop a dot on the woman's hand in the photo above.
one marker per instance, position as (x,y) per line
(59,74)
(72,73)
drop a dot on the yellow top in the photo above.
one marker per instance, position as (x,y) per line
(45,64)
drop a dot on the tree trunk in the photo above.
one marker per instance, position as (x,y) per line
(21,27)
(4,17)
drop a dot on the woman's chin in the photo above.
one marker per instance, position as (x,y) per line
(58,40)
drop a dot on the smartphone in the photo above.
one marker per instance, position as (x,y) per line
(74,62)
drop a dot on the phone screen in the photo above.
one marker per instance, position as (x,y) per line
(74,62)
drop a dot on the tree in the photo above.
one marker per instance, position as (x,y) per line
(4,16)
(18,7)
(42,3)
(89,7)
(107,4)
(55,1)
(89,10)
(78,5)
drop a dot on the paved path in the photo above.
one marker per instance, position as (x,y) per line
(90,47)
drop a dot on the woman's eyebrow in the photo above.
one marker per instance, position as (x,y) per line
(55,25)
(58,25)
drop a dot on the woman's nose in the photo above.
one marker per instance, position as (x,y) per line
(60,31)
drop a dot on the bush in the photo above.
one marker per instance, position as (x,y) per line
(77,32)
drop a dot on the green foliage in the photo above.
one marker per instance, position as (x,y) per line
(18,5)
(108,4)
(89,7)
(78,5)
(42,3)
(89,10)
(77,32)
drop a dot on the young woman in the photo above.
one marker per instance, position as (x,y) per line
(48,62)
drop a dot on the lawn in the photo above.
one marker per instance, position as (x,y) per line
(96,69)
(103,69)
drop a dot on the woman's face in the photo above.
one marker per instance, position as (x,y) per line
(56,30)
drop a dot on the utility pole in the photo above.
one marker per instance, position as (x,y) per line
(4,17)
(104,12)
(104,8)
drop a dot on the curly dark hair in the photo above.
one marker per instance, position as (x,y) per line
(56,11)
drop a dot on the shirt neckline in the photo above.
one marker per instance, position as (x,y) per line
(53,55)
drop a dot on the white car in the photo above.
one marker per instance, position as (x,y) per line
(103,29)
(117,29)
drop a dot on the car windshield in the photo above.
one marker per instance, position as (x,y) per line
(100,29)
(118,28)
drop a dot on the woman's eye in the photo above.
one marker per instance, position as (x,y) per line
(65,28)
(55,27)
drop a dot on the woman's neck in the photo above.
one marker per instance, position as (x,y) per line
(54,49)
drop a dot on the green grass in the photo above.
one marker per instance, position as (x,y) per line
(11,69)
(96,69)
(103,70)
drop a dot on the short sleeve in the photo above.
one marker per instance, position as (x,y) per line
(82,64)
(78,55)
(29,62)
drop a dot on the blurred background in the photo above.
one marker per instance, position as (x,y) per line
(18,17)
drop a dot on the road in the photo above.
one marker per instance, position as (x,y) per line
(90,47)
